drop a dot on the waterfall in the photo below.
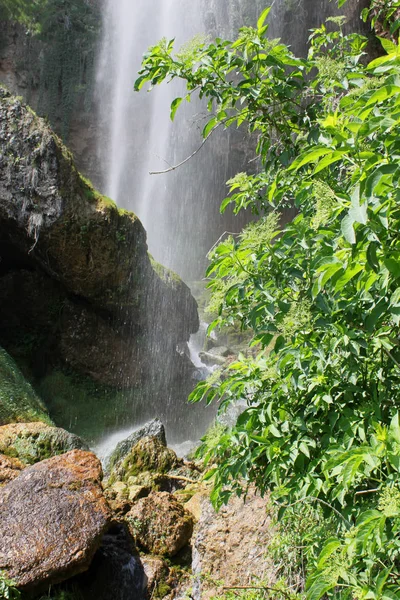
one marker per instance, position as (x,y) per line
(179,209)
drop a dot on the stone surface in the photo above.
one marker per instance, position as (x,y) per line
(10,468)
(230,546)
(153,429)
(156,572)
(33,442)
(18,401)
(52,520)
(159,524)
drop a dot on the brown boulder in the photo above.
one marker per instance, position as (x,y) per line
(10,468)
(160,524)
(52,519)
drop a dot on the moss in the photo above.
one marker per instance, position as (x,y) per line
(148,456)
(164,274)
(18,400)
(34,442)
(82,405)
(161,590)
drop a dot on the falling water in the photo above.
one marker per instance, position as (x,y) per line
(179,209)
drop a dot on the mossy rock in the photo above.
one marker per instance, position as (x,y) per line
(148,456)
(159,524)
(18,401)
(34,442)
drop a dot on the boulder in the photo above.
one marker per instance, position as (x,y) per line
(53,218)
(212,359)
(52,520)
(10,468)
(18,401)
(231,545)
(148,456)
(160,524)
(33,442)
(154,429)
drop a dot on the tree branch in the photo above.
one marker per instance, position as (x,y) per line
(174,167)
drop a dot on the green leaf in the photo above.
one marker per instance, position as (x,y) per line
(304,449)
(331,545)
(393,266)
(349,273)
(388,45)
(209,127)
(174,107)
(263,17)
(375,315)
(275,432)
(310,156)
(322,585)
(329,160)
(372,257)
(348,229)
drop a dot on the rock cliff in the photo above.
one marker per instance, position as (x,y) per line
(78,291)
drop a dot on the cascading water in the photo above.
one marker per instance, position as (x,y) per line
(180,209)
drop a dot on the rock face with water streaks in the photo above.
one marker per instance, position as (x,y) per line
(74,268)
(154,429)
(52,519)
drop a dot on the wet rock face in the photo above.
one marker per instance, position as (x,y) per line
(116,572)
(52,520)
(33,442)
(153,429)
(73,265)
(159,524)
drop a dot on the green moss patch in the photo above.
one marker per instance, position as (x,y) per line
(18,401)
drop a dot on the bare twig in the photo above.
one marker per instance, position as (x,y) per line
(390,355)
(174,167)
(366,492)
(220,238)
(180,478)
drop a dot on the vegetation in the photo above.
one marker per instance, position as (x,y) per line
(322,425)
(8,591)
(18,401)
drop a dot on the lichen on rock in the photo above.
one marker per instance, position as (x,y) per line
(159,524)
(34,442)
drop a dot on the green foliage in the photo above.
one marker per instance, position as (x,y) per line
(384,16)
(8,591)
(18,401)
(322,417)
